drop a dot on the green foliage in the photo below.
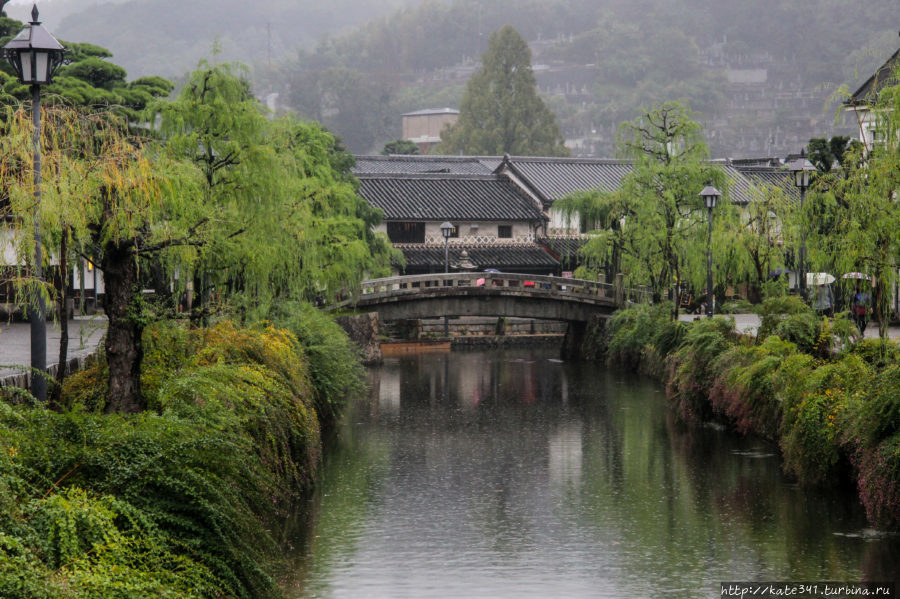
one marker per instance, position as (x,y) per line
(842,229)
(739,306)
(652,227)
(828,154)
(876,352)
(501,112)
(630,330)
(879,416)
(285,219)
(692,368)
(745,392)
(816,404)
(333,359)
(791,319)
(751,241)
(176,503)
(400,146)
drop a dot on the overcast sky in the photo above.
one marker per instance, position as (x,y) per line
(52,11)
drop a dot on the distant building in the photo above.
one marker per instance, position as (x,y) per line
(866,96)
(423,127)
(503,206)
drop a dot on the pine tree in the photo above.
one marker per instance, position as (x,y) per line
(501,112)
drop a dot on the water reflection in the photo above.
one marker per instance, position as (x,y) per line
(510,474)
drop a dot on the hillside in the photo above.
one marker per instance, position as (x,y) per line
(759,73)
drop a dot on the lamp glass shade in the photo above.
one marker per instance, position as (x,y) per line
(447,229)
(710,196)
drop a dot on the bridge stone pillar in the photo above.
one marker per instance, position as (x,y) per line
(573,342)
(363,330)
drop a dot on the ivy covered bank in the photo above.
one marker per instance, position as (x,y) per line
(184,499)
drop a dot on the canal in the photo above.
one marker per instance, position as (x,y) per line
(507,473)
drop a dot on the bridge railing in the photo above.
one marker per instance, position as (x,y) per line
(536,284)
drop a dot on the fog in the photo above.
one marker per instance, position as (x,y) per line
(759,74)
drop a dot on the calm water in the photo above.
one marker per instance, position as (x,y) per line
(511,474)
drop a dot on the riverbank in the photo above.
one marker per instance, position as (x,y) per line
(185,499)
(829,400)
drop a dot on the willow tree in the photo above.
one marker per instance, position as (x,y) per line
(853,214)
(103,191)
(501,112)
(752,241)
(655,223)
(288,221)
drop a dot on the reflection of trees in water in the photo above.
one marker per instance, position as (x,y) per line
(739,481)
(596,458)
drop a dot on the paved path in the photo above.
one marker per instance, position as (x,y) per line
(748,323)
(85,334)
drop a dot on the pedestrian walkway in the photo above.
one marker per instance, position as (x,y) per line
(85,335)
(748,323)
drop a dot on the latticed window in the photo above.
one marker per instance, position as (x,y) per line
(504,231)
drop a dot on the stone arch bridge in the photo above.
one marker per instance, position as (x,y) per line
(574,301)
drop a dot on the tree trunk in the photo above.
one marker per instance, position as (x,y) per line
(124,351)
(63,316)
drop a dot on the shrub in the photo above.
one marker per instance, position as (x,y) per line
(631,329)
(176,502)
(744,391)
(739,306)
(879,481)
(333,359)
(876,352)
(791,319)
(692,367)
(816,409)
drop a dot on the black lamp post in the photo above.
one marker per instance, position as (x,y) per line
(710,196)
(35,55)
(446,231)
(801,168)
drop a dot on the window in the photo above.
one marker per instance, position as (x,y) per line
(454,232)
(504,231)
(400,232)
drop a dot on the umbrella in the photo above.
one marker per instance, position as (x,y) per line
(856,275)
(819,278)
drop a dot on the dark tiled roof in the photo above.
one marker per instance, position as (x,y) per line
(555,178)
(513,256)
(404,165)
(884,76)
(775,177)
(448,197)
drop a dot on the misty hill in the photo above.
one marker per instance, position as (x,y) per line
(169,37)
(760,73)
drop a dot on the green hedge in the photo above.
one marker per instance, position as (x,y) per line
(179,501)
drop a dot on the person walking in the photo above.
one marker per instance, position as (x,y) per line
(859,308)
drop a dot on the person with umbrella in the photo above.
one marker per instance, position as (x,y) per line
(859,308)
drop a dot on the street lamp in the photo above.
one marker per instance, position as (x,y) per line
(446,231)
(35,55)
(710,196)
(801,168)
